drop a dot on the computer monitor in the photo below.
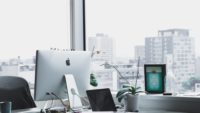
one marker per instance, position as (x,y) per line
(155,78)
(51,66)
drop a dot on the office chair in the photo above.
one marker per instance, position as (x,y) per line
(16,90)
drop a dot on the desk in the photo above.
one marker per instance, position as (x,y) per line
(170,103)
(114,112)
(138,112)
(156,104)
(30,110)
(36,110)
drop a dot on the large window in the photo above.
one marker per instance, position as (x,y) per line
(28,25)
(156,31)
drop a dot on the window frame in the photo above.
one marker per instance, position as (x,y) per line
(78,25)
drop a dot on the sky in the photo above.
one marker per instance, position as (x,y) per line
(27,25)
(128,22)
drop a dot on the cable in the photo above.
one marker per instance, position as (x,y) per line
(65,106)
(59,99)
(82,98)
(51,100)
(73,110)
(47,94)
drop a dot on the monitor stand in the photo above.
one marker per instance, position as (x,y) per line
(74,100)
(73,95)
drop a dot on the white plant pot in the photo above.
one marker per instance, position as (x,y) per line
(131,103)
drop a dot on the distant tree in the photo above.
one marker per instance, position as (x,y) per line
(190,84)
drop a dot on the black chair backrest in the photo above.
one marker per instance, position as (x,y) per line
(16,90)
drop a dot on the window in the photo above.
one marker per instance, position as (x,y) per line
(118,28)
(28,25)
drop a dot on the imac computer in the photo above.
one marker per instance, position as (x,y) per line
(51,66)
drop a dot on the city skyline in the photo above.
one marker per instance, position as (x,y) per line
(175,48)
(133,20)
(31,52)
(119,54)
(172,47)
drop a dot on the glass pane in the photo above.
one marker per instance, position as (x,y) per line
(157,32)
(28,25)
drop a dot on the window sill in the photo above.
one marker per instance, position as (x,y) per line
(178,103)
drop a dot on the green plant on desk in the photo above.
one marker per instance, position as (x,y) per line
(129,92)
(127,89)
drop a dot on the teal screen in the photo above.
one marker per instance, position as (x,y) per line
(154,79)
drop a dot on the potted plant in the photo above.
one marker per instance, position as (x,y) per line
(129,93)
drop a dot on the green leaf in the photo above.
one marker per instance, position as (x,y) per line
(121,92)
(132,90)
(139,91)
(122,96)
(120,99)
(92,76)
(126,86)
(93,83)
(137,88)
(93,80)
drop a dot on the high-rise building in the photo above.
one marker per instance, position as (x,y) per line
(104,44)
(176,43)
(197,62)
(140,52)
(153,50)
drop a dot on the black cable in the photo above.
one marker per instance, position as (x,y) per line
(47,94)
(59,99)
(51,100)
(81,98)
(74,111)
(65,106)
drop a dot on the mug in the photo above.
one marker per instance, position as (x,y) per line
(5,107)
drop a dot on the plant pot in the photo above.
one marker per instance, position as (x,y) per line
(131,103)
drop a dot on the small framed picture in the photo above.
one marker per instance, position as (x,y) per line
(155,78)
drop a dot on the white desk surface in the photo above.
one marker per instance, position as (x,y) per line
(137,112)
(31,110)
(36,110)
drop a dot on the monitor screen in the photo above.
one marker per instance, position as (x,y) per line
(51,66)
(155,78)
